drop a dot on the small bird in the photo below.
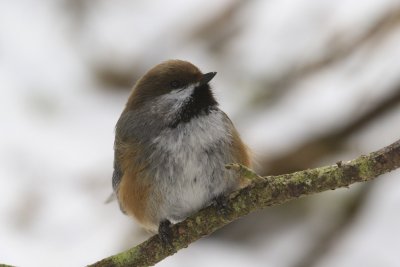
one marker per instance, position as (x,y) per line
(172,143)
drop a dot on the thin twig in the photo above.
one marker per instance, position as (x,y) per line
(305,155)
(276,87)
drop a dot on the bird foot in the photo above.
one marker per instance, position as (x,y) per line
(221,203)
(165,232)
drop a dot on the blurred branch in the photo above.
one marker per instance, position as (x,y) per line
(219,30)
(214,32)
(263,192)
(338,49)
(116,78)
(327,240)
(306,154)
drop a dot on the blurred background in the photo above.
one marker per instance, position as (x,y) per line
(307,83)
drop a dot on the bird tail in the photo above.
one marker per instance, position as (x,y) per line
(110,198)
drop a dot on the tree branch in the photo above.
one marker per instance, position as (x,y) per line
(338,49)
(310,151)
(263,192)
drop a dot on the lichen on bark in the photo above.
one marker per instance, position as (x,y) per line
(262,192)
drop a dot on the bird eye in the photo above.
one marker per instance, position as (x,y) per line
(175,84)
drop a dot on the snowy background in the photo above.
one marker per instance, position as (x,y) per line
(306,82)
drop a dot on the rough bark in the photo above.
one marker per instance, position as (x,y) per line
(261,193)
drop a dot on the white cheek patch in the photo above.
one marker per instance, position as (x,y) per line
(170,103)
(180,94)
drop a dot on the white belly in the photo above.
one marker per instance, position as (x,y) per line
(191,172)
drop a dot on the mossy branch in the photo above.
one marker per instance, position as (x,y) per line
(261,193)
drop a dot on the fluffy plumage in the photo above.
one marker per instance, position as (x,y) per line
(172,143)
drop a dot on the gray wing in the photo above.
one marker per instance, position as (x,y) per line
(116,180)
(116,176)
(118,172)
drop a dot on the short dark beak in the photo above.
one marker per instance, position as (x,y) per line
(207,77)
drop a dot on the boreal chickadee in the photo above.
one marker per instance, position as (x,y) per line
(172,143)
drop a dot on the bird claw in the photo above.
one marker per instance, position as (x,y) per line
(165,232)
(221,203)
